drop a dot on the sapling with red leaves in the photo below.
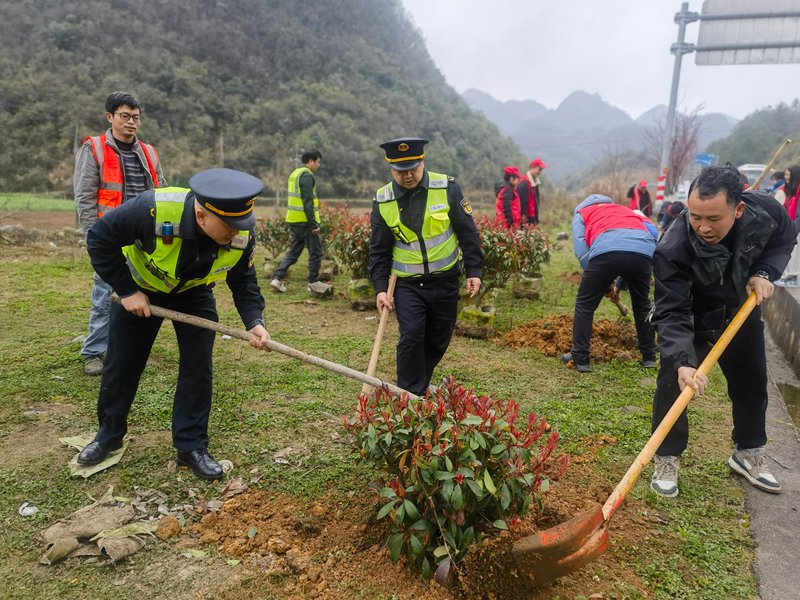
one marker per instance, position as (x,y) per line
(460,466)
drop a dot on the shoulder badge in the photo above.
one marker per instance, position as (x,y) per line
(450,178)
(252,259)
(466,206)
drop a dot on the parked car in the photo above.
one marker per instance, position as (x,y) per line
(752,171)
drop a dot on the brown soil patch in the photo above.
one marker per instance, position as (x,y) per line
(49,221)
(552,336)
(574,277)
(335,549)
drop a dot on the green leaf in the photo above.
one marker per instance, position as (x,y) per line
(447,490)
(448,463)
(411,510)
(544,485)
(445,427)
(471,420)
(387,439)
(232,562)
(251,533)
(388,492)
(426,568)
(440,551)
(401,513)
(505,497)
(476,488)
(415,545)
(421,525)
(488,483)
(457,499)
(498,449)
(395,544)
(500,524)
(444,475)
(481,441)
(474,444)
(386,509)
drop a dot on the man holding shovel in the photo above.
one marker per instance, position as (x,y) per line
(170,246)
(728,244)
(421,223)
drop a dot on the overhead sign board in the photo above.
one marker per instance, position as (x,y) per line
(705,159)
(740,32)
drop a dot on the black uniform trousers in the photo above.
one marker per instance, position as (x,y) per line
(601,271)
(300,237)
(129,343)
(744,364)
(426,315)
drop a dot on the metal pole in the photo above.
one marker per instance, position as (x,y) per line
(678,49)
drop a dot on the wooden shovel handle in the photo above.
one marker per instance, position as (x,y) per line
(376,346)
(771,162)
(174,315)
(629,480)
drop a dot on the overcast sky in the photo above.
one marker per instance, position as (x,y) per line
(545,49)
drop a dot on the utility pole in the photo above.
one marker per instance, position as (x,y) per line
(678,49)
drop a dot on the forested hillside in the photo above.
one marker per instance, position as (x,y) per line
(244,83)
(756,137)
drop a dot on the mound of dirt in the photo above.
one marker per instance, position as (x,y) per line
(552,336)
(335,549)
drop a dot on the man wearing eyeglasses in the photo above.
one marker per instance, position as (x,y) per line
(110,169)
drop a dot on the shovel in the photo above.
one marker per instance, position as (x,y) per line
(376,346)
(174,315)
(562,549)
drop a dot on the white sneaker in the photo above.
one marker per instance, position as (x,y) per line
(278,286)
(752,465)
(665,476)
(318,287)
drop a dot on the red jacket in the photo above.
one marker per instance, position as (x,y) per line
(503,212)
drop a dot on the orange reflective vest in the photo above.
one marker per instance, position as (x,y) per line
(109,194)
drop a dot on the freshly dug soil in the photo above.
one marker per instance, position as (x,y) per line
(335,549)
(552,336)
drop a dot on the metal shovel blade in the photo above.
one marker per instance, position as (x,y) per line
(549,554)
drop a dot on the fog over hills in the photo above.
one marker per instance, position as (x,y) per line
(582,128)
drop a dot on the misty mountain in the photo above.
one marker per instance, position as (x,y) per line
(247,84)
(582,128)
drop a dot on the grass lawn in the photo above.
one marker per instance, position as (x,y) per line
(698,547)
(20,202)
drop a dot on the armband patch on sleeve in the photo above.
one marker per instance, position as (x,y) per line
(466,206)
(251,261)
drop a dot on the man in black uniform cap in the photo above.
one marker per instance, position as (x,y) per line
(419,222)
(170,246)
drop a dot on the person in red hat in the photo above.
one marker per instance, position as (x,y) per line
(640,198)
(529,191)
(507,210)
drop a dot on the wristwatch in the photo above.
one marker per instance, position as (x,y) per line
(762,274)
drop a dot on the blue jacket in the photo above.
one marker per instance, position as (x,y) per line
(639,241)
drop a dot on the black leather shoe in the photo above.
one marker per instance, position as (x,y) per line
(201,463)
(94,452)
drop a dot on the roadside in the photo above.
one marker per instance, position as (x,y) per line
(775,519)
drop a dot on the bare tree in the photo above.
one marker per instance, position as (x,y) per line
(684,145)
(611,175)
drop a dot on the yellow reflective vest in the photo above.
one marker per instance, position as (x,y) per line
(438,249)
(295,212)
(155,271)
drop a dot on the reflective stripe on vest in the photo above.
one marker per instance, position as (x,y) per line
(111,171)
(295,212)
(156,270)
(438,249)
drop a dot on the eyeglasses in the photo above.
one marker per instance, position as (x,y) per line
(127,117)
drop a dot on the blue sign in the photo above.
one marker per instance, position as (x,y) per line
(705,159)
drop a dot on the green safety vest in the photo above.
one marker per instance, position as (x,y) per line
(438,249)
(295,213)
(155,270)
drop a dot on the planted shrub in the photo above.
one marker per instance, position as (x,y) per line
(460,466)
(273,234)
(349,242)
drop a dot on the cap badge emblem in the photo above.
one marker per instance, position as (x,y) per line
(403,147)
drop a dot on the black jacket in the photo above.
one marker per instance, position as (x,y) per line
(700,286)
(412,212)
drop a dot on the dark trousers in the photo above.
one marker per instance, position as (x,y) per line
(600,273)
(744,364)
(300,237)
(426,315)
(129,342)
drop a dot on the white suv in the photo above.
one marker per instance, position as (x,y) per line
(752,171)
